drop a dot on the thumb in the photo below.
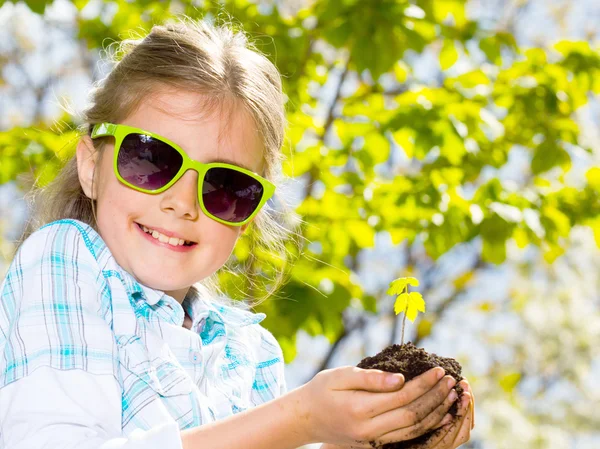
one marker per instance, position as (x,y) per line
(355,378)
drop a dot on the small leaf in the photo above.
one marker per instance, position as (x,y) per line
(400,304)
(416,304)
(398,285)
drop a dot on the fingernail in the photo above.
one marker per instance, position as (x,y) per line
(446,419)
(440,373)
(453,395)
(394,379)
(451,382)
(465,400)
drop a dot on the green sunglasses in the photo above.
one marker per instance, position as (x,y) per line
(150,163)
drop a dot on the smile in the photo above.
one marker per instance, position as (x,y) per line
(164,240)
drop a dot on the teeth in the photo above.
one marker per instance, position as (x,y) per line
(173,241)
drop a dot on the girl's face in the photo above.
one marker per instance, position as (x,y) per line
(178,116)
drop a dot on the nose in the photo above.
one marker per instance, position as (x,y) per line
(182,197)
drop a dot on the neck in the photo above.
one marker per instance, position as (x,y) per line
(179,295)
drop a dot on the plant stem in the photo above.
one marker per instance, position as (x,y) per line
(403,322)
(404,319)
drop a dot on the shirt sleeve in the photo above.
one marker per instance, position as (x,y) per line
(72,409)
(52,308)
(269,380)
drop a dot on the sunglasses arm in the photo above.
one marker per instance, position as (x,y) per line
(104,129)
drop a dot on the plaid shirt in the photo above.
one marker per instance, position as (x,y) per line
(65,303)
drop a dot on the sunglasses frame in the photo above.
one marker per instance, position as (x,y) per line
(119,132)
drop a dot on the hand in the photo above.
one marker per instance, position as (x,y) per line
(350,406)
(458,431)
(453,434)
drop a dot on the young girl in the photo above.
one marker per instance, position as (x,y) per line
(107,337)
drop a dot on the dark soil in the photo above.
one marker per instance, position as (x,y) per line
(411,362)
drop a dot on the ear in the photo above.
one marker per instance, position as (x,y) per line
(86,164)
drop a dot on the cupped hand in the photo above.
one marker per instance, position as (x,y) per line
(352,407)
(451,434)
(458,431)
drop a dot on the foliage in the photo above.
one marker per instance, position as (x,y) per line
(450,141)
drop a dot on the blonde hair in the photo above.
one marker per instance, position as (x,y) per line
(200,57)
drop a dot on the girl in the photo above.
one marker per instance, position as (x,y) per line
(107,338)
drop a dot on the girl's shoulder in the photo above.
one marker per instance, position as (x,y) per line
(60,240)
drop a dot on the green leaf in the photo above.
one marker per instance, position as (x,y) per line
(595,225)
(548,155)
(424,328)
(412,303)
(593,178)
(509,381)
(37,6)
(378,147)
(416,304)
(361,232)
(397,286)
(491,48)
(448,54)
(401,303)
(401,71)
(369,303)
(471,79)
(288,347)
(494,251)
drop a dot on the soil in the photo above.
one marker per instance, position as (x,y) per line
(411,362)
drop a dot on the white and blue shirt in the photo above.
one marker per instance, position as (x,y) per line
(67,306)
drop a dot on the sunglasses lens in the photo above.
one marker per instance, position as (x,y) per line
(146,162)
(230,195)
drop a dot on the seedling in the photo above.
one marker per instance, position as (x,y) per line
(410,303)
(409,360)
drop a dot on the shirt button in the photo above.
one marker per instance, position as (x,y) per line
(195,357)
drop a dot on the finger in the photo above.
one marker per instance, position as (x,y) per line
(400,424)
(420,385)
(354,378)
(440,439)
(432,402)
(464,433)
(383,403)
(408,428)
(467,387)
(446,442)
(472,412)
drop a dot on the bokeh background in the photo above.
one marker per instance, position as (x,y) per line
(451,140)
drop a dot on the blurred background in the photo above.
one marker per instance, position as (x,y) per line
(451,140)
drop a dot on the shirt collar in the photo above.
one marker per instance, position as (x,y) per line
(201,306)
(150,295)
(230,315)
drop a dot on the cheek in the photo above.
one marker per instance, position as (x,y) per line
(219,236)
(116,201)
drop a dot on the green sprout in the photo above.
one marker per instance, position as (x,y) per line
(410,303)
